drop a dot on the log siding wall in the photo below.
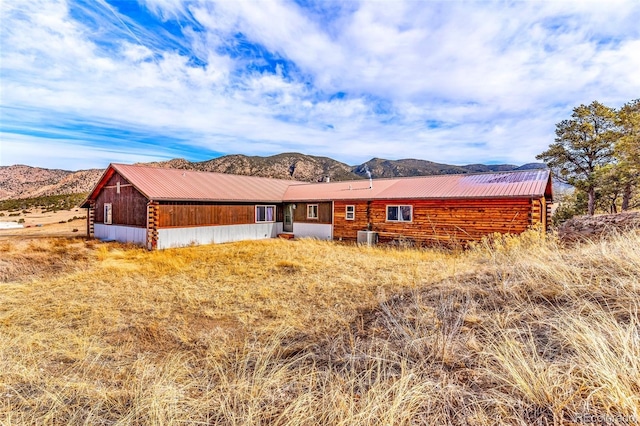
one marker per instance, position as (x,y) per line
(152,225)
(441,220)
(344,229)
(91,212)
(129,207)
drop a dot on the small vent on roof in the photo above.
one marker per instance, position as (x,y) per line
(366,169)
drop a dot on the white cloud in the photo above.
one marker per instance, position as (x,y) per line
(444,81)
(65,154)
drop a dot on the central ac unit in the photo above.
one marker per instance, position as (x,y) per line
(367,237)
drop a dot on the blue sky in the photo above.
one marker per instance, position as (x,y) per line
(85,83)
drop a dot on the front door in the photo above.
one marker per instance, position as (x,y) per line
(288,218)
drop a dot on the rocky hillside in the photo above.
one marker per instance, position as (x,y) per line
(27,182)
(313,169)
(380,168)
(22,181)
(283,166)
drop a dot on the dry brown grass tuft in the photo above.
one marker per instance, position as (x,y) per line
(516,330)
(38,258)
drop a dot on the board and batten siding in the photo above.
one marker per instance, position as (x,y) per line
(183,214)
(129,207)
(324,213)
(184,223)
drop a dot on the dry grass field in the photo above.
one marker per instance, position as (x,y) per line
(514,331)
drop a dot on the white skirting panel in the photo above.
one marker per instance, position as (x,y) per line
(313,230)
(180,237)
(124,234)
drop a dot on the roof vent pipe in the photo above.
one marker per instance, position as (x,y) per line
(366,169)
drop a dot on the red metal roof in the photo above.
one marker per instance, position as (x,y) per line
(346,190)
(176,185)
(172,184)
(526,183)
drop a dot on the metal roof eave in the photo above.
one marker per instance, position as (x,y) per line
(305,200)
(218,200)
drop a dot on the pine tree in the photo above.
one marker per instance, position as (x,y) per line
(627,150)
(582,145)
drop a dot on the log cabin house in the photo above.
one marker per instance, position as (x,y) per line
(161,208)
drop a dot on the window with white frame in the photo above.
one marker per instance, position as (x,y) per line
(399,213)
(312,211)
(350,212)
(108,214)
(265,213)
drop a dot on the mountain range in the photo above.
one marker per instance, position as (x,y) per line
(21,181)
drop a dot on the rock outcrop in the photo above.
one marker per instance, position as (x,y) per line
(592,227)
